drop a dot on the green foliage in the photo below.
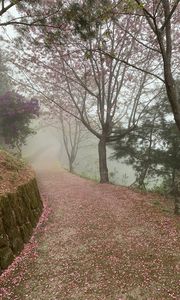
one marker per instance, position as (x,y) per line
(153,148)
(87,16)
(161,188)
(10,162)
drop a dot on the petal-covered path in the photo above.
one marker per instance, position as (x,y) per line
(101,242)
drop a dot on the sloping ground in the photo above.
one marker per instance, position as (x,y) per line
(13,172)
(102,242)
(20,207)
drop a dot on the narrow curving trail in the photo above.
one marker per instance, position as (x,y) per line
(101,242)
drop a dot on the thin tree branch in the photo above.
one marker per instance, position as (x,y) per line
(4,9)
(132,65)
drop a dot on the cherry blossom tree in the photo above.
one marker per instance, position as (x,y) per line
(154,27)
(103,51)
(157,30)
(29,13)
(102,90)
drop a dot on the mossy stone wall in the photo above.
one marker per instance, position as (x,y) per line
(19,213)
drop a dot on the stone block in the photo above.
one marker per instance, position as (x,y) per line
(6,257)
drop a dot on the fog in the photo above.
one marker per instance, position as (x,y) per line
(45,150)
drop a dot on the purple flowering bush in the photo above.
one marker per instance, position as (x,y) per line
(16,114)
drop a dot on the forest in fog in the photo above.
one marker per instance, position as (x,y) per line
(89,149)
(103,74)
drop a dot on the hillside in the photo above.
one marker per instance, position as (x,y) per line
(13,172)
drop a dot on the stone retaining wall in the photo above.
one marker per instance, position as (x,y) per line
(19,213)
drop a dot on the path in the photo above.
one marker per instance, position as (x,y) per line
(102,242)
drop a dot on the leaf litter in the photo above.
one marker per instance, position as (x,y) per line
(96,242)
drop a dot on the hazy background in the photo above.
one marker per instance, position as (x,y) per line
(45,150)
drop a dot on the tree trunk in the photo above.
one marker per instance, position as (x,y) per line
(144,171)
(177,193)
(173,96)
(71,166)
(103,169)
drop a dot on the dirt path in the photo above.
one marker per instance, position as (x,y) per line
(101,242)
